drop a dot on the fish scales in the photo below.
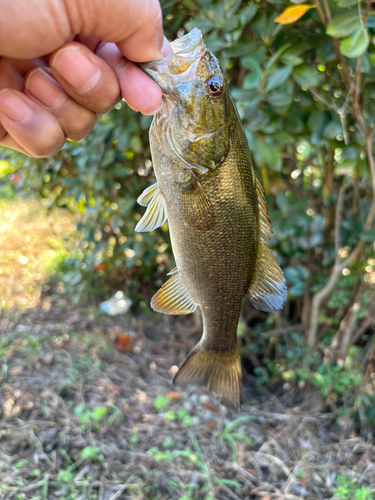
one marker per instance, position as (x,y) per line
(207,189)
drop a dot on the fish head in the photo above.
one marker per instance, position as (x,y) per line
(193,122)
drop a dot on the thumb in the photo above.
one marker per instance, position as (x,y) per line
(38,27)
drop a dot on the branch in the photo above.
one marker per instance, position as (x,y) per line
(320,12)
(323,100)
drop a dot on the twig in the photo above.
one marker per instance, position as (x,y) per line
(323,100)
(282,331)
(119,492)
(320,12)
(361,330)
(30,487)
(275,460)
(327,11)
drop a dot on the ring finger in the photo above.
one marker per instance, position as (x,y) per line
(76,121)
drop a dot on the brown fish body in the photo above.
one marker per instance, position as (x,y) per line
(207,189)
(215,256)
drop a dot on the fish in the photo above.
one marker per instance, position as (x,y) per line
(216,210)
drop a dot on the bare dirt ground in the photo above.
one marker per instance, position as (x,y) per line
(88,411)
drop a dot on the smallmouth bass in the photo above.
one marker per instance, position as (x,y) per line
(216,210)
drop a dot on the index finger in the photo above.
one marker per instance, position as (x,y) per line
(34,29)
(134,25)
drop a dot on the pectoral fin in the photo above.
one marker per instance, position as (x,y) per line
(196,207)
(267,290)
(147,195)
(173,298)
(155,215)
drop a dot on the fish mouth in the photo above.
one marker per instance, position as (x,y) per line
(177,67)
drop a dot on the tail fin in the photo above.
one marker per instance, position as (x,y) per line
(220,372)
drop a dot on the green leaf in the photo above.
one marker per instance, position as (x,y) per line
(161,402)
(266,154)
(291,55)
(282,200)
(251,63)
(251,81)
(247,13)
(291,274)
(238,421)
(277,54)
(304,75)
(315,121)
(228,482)
(343,25)
(347,3)
(332,129)
(297,289)
(99,413)
(368,236)
(356,44)
(279,99)
(5,168)
(278,78)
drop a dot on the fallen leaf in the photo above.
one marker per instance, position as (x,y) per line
(292,14)
(210,426)
(208,405)
(335,438)
(112,390)
(124,342)
(175,396)
(366,457)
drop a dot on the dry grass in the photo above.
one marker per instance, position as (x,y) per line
(30,245)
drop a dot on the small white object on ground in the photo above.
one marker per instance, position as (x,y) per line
(118,304)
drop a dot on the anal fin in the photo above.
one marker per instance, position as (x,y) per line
(156,214)
(267,291)
(219,371)
(173,298)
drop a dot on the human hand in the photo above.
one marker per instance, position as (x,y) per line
(63,61)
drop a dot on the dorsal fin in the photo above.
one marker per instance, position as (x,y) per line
(267,291)
(264,218)
(147,195)
(155,215)
(173,298)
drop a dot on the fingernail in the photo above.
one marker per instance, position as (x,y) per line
(13,107)
(45,89)
(166,48)
(155,111)
(76,69)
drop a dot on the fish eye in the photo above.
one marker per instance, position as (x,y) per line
(215,87)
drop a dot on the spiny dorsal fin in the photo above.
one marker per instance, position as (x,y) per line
(220,372)
(267,290)
(264,218)
(173,298)
(147,195)
(155,215)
